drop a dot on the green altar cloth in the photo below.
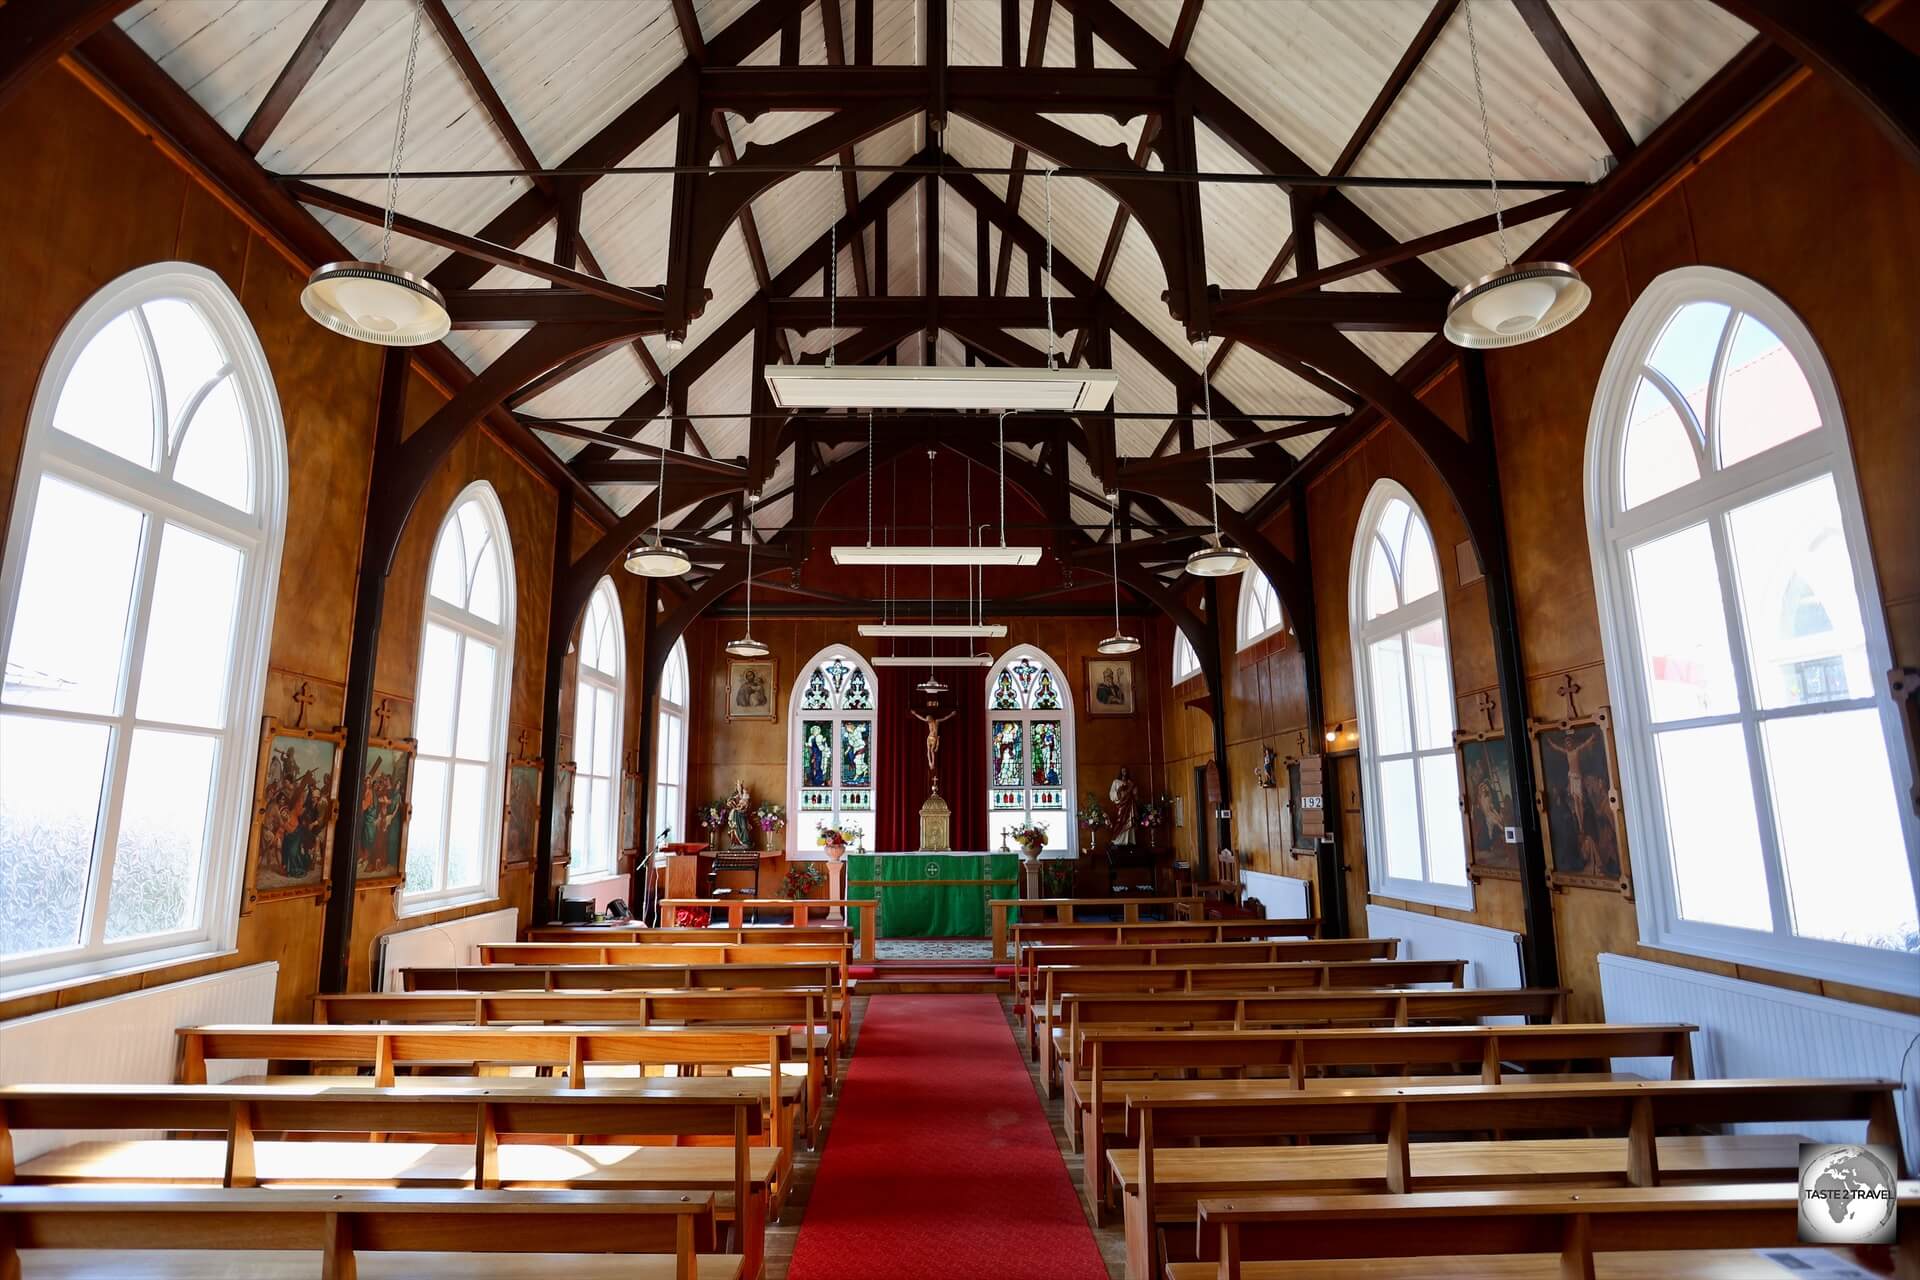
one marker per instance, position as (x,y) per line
(933,910)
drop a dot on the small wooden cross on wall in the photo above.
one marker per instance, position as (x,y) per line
(302,698)
(522,740)
(1487,704)
(382,713)
(1568,687)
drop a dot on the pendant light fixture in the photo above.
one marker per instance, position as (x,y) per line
(655,559)
(1119,642)
(933,685)
(1221,559)
(1517,303)
(746,646)
(377,302)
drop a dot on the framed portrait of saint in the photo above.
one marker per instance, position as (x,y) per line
(1110,687)
(753,687)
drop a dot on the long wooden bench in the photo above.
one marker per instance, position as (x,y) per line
(1164,1173)
(1622,1233)
(1156,930)
(1109,955)
(1292,1058)
(1054,985)
(803,912)
(485,1155)
(342,1234)
(812,935)
(813,1048)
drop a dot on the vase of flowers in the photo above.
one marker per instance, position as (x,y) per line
(835,839)
(802,879)
(772,820)
(1153,813)
(713,816)
(1093,820)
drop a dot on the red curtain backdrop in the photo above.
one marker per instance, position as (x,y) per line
(903,761)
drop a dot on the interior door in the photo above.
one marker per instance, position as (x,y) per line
(1203,806)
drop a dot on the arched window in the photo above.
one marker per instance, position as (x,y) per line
(598,700)
(1744,642)
(1415,844)
(670,748)
(460,715)
(141,568)
(1030,774)
(1186,663)
(830,743)
(1259,608)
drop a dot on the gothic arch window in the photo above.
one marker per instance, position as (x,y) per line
(141,569)
(1260,614)
(1186,663)
(1030,774)
(1745,643)
(460,711)
(670,748)
(1416,846)
(599,712)
(833,715)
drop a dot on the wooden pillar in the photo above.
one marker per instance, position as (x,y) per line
(559,629)
(1539,953)
(1329,864)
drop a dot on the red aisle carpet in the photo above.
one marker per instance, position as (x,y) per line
(940,1163)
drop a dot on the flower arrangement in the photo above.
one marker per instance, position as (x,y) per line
(1030,836)
(802,879)
(770,816)
(845,833)
(1154,812)
(713,814)
(1093,815)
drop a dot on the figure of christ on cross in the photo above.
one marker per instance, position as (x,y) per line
(933,745)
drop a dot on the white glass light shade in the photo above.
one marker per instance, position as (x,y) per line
(378,304)
(958,555)
(652,560)
(1221,560)
(1516,305)
(1119,643)
(747,647)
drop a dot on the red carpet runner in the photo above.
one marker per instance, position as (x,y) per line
(940,1164)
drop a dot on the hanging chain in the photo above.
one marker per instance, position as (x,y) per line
(833,283)
(971,569)
(1052,349)
(751,539)
(1003,479)
(1486,137)
(1213,485)
(660,492)
(869,477)
(1116,562)
(929,543)
(400,138)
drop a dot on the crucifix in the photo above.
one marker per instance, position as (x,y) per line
(933,744)
(522,740)
(302,698)
(1487,704)
(1568,687)
(381,714)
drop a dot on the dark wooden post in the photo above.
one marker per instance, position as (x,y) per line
(1329,864)
(560,622)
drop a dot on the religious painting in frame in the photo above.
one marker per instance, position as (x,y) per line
(1110,690)
(1579,802)
(521,838)
(1487,801)
(630,805)
(753,686)
(295,795)
(384,812)
(563,813)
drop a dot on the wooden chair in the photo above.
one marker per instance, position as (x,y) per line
(1653,1233)
(446,1231)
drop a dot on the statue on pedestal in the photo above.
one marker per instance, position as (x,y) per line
(739,822)
(1123,795)
(936,819)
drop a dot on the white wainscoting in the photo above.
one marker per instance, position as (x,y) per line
(1492,955)
(1284,897)
(129,1039)
(1751,1029)
(441,944)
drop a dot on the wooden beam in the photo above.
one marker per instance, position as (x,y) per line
(1016,180)
(483,89)
(849,181)
(1574,71)
(312,50)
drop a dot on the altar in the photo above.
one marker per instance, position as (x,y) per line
(932,895)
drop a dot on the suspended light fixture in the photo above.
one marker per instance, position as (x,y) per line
(655,559)
(1517,303)
(1221,559)
(377,302)
(1119,642)
(746,646)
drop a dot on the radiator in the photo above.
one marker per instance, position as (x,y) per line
(1750,1029)
(1284,897)
(1492,955)
(441,945)
(129,1039)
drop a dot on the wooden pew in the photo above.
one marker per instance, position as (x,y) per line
(1653,1233)
(800,910)
(1297,1054)
(487,1157)
(1110,955)
(761,934)
(1163,1175)
(1156,930)
(448,1233)
(801,1012)
(1054,985)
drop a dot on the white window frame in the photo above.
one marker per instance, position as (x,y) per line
(1400,621)
(500,636)
(1186,659)
(1069,775)
(1254,586)
(670,785)
(259,537)
(1612,533)
(589,680)
(800,826)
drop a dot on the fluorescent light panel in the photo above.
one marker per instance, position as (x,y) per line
(812,386)
(963,660)
(936,555)
(987,630)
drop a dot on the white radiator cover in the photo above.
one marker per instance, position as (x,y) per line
(1284,897)
(1492,955)
(441,945)
(1751,1029)
(129,1039)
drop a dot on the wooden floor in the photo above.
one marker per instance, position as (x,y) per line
(780,1235)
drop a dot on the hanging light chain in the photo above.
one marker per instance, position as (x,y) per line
(869,477)
(400,138)
(833,283)
(1003,479)
(1116,562)
(660,491)
(1052,342)
(1213,485)
(751,539)
(1486,137)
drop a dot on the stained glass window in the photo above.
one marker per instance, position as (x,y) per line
(1030,765)
(832,744)
(856,761)
(1006,753)
(1046,696)
(816,753)
(1005,697)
